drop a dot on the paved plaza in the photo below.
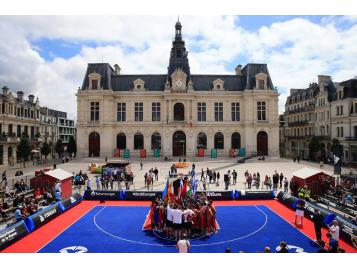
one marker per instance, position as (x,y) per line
(267,167)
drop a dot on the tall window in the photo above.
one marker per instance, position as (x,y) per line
(261,84)
(18,130)
(235,111)
(201,111)
(94,111)
(218,111)
(261,108)
(139,109)
(156,111)
(121,112)
(94,84)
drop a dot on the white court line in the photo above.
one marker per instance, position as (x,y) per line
(160,245)
(291,224)
(66,228)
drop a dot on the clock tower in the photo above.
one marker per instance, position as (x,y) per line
(178,58)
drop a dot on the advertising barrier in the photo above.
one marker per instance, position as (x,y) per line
(42,217)
(141,195)
(70,202)
(102,195)
(253,195)
(217,195)
(347,229)
(12,234)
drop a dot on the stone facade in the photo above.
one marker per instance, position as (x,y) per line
(325,110)
(19,117)
(181,98)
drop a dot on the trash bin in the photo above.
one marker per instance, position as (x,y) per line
(201,152)
(213,153)
(156,152)
(143,153)
(126,153)
(231,153)
(242,152)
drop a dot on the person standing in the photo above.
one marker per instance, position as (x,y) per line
(281,177)
(202,174)
(97,182)
(335,230)
(234,174)
(299,212)
(183,245)
(141,164)
(332,244)
(156,173)
(318,220)
(286,184)
(177,220)
(217,182)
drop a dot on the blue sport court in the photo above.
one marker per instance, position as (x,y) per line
(118,229)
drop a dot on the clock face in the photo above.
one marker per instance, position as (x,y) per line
(178,83)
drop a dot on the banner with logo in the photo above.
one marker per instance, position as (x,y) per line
(253,195)
(40,218)
(70,202)
(12,234)
(102,195)
(141,195)
(217,195)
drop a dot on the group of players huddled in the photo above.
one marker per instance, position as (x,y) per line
(195,217)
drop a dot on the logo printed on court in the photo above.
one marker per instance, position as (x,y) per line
(74,249)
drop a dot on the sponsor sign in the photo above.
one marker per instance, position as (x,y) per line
(252,195)
(70,201)
(40,218)
(12,234)
(101,195)
(142,195)
(217,195)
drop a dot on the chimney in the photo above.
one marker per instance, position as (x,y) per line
(323,79)
(117,69)
(31,98)
(20,95)
(5,90)
(238,70)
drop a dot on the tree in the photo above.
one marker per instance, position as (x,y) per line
(314,147)
(51,147)
(45,149)
(24,149)
(59,148)
(72,146)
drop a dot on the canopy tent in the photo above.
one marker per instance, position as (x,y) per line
(313,178)
(50,178)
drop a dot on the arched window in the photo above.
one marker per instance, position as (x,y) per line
(121,141)
(179,112)
(138,141)
(156,141)
(218,141)
(235,141)
(201,140)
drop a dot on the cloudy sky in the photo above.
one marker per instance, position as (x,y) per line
(47,55)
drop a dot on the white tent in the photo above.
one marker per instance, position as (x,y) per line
(305,173)
(59,174)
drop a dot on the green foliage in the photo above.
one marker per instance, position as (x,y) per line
(59,148)
(72,146)
(24,149)
(45,149)
(314,146)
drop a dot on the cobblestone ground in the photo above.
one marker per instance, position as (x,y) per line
(287,167)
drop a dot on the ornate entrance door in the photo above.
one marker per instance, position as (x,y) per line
(94,144)
(262,143)
(179,144)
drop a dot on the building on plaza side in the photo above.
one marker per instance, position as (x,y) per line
(177,112)
(326,110)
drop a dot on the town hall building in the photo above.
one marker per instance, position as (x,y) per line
(177,113)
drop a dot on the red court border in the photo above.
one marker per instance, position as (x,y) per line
(41,237)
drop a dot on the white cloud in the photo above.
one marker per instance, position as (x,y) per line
(296,50)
